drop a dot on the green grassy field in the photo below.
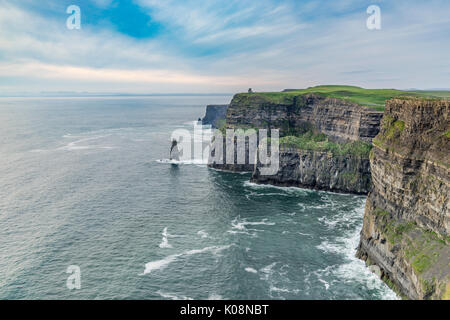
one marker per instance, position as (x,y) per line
(320,142)
(374,98)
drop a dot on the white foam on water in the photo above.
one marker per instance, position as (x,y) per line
(165,240)
(321,206)
(277,279)
(330,247)
(283,290)
(76,145)
(280,291)
(215,296)
(276,289)
(172,296)
(295,190)
(246,232)
(81,144)
(354,270)
(198,162)
(227,171)
(269,186)
(303,209)
(330,223)
(305,234)
(203,234)
(344,217)
(267,271)
(251,270)
(327,285)
(254,194)
(161,264)
(240,225)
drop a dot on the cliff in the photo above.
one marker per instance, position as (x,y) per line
(407,220)
(218,161)
(319,170)
(321,135)
(214,115)
(339,119)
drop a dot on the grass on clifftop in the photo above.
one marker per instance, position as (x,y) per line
(320,142)
(373,98)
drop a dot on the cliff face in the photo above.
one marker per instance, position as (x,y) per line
(218,161)
(319,170)
(338,119)
(407,219)
(214,114)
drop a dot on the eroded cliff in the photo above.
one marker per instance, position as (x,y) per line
(322,135)
(339,119)
(407,219)
(320,170)
(215,115)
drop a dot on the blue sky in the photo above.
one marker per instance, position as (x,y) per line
(149,46)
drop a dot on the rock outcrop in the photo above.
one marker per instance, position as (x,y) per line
(406,230)
(295,114)
(214,115)
(406,233)
(319,170)
(219,161)
(341,121)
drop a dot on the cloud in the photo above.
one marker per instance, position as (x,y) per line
(223,24)
(226,46)
(144,76)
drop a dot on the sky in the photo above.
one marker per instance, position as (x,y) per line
(226,46)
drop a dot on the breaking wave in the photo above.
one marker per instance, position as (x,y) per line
(161,264)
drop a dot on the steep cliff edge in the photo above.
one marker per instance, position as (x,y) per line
(339,119)
(215,114)
(297,115)
(320,170)
(406,232)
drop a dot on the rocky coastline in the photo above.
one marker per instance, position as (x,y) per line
(319,170)
(399,158)
(341,122)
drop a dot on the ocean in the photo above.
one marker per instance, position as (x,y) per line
(86,182)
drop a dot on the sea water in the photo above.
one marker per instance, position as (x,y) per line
(87,182)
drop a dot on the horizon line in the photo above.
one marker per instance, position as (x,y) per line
(89,94)
(73,94)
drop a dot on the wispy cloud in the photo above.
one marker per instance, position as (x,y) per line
(222,46)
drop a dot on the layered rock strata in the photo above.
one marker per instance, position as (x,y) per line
(319,170)
(406,230)
(215,115)
(339,119)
